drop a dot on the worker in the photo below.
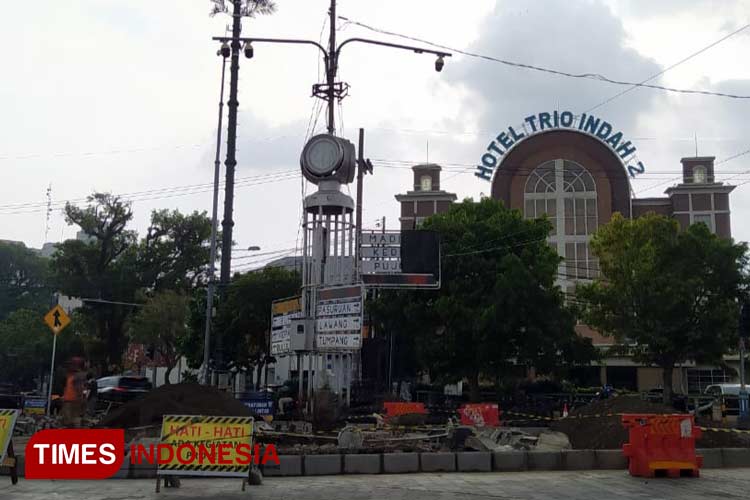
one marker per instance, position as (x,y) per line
(73,398)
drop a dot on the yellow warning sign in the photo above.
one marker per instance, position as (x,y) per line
(57,319)
(196,445)
(7,422)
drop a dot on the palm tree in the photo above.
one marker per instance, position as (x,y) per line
(249,8)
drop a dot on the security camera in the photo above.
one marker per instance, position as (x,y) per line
(225,50)
(249,50)
(439,63)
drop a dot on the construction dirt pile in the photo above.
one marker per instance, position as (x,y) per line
(587,431)
(174,399)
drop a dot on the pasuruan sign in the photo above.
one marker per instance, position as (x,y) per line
(338,324)
(282,314)
(540,122)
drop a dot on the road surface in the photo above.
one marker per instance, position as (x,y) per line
(726,484)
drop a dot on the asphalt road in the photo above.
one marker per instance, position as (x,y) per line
(594,485)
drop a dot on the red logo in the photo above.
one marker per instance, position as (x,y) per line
(75,453)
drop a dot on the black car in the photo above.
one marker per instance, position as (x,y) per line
(122,388)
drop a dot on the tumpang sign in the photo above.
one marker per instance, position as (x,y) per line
(540,122)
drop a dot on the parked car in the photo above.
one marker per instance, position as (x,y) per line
(121,388)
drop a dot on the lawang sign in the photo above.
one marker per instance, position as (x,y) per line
(339,318)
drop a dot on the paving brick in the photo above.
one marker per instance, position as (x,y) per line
(438,462)
(474,461)
(712,458)
(400,462)
(578,459)
(320,465)
(735,457)
(289,465)
(362,464)
(544,460)
(610,459)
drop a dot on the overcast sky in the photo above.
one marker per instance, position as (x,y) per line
(122,96)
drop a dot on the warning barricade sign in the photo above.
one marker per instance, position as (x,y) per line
(193,445)
(7,457)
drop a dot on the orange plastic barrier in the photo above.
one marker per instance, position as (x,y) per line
(480,414)
(661,445)
(395,409)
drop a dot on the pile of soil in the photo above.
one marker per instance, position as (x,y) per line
(175,399)
(601,433)
(608,433)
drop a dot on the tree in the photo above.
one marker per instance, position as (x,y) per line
(671,296)
(244,317)
(24,279)
(248,8)
(174,254)
(27,348)
(498,305)
(101,266)
(160,325)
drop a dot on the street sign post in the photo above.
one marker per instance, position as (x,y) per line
(56,319)
(392,259)
(282,314)
(338,324)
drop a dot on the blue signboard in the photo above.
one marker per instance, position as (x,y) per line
(262,407)
(36,406)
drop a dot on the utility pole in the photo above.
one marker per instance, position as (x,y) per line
(214,230)
(231,162)
(332,66)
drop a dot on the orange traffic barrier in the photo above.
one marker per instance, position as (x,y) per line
(661,445)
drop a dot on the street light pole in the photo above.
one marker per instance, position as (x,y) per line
(214,229)
(332,64)
(231,162)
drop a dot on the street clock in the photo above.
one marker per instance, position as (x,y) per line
(327,157)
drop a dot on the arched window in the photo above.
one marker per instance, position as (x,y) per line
(566,193)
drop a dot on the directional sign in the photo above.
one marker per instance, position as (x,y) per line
(282,314)
(381,252)
(381,239)
(381,266)
(57,319)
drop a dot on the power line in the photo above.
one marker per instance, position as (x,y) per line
(655,75)
(588,76)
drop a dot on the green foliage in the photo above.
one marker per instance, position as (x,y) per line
(174,254)
(27,347)
(23,279)
(161,323)
(671,294)
(498,305)
(244,317)
(111,265)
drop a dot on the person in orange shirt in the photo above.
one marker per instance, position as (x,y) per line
(73,401)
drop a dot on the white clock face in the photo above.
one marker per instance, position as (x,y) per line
(323,156)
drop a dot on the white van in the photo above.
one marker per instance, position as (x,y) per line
(723,390)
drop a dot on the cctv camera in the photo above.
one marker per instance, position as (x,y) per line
(225,51)
(439,63)
(249,50)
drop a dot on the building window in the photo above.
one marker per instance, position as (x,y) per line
(425,183)
(699,174)
(565,192)
(707,219)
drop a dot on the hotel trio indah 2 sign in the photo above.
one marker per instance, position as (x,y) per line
(540,122)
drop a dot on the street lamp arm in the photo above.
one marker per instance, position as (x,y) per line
(418,50)
(277,40)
